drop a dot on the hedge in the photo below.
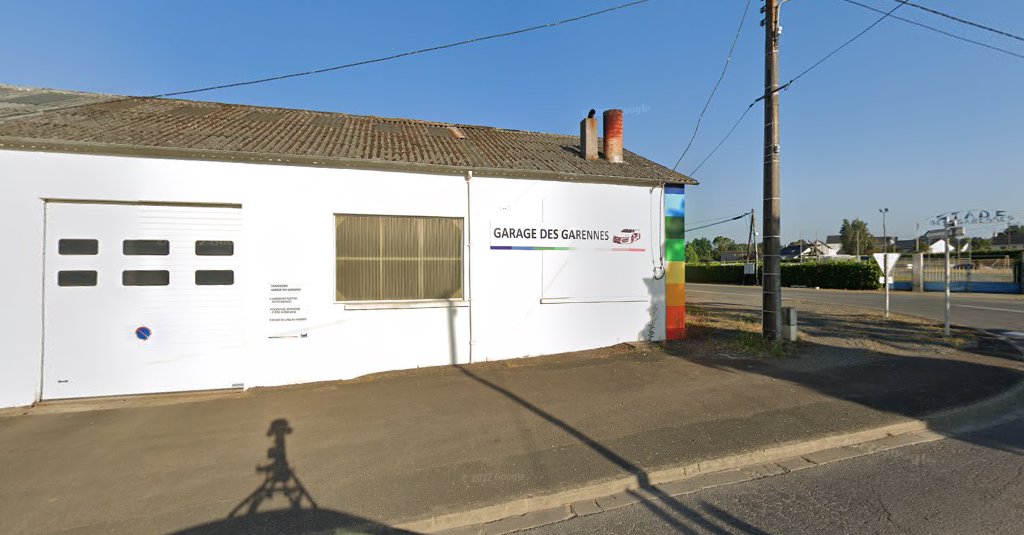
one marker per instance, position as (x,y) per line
(844,275)
(851,275)
(719,273)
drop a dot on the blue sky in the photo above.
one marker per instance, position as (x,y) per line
(903,118)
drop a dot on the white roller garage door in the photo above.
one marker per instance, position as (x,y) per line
(140,299)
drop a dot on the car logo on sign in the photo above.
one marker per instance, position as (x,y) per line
(626,235)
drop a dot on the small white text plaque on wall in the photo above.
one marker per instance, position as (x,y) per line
(286,309)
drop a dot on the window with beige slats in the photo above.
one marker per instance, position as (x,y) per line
(395,258)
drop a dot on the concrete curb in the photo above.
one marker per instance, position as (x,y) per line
(535,511)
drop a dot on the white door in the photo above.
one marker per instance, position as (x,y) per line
(140,298)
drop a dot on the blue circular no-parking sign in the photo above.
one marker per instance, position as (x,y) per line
(143,333)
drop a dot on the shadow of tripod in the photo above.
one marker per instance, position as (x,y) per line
(278,477)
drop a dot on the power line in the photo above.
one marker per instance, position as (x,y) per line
(401,55)
(728,58)
(347,65)
(716,218)
(741,216)
(960,20)
(794,79)
(830,54)
(720,143)
(937,30)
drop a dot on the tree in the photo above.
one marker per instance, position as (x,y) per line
(981,244)
(691,253)
(720,244)
(701,250)
(856,238)
(1012,234)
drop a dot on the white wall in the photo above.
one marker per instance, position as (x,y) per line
(509,319)
(288,237)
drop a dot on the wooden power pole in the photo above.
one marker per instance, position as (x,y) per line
(771,309)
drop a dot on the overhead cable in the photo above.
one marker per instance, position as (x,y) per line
(403,54)
(961,20)
(348,65)
(741,216)
(727,134)
(794,79)
(832,53)
(934,29)
(716,218)
(725,67)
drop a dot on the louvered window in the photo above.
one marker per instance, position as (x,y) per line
(395,258)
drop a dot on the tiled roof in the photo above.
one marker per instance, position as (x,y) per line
(53,120)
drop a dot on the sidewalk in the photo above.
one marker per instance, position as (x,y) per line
(405,446)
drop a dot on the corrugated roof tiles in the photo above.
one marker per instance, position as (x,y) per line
(43,119)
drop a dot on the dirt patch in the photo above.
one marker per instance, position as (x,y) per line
(828,336)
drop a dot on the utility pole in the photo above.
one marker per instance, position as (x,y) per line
(751,238)
(748,260)
(771,290)
(758,256)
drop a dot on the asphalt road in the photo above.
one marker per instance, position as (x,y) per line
(982,311)
(968,484)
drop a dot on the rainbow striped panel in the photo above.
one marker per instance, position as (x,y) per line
(675,268)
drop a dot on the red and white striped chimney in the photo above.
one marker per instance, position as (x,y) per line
(613,135)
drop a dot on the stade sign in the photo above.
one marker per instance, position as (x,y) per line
(973,217)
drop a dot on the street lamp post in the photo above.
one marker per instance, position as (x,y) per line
(885,262)
(885,235)
(950,226)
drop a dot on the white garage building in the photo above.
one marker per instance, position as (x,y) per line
(156,245)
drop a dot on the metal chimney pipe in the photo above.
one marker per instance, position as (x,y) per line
(613,135)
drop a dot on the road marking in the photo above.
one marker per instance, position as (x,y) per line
(992,308)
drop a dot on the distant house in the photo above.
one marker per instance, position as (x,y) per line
(835,242)
(885,242)
(815,249)
(1014,243)
(906,246)
(790,252)
(939,247)
(735,256)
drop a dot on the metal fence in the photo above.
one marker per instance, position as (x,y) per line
(903,273)
(997,274)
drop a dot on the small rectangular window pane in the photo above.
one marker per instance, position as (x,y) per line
(76,278)
(215,248)
(145,278)
(215,277)
(78,247)
(146,247)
